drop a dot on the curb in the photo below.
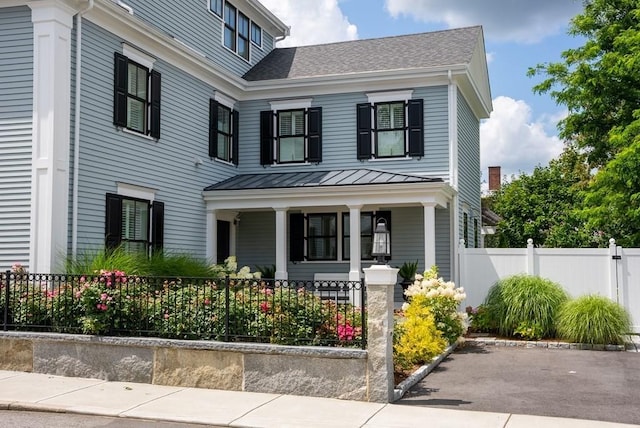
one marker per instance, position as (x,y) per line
(508,343)
(421,373)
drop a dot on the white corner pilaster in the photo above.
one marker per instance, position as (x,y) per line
(281,243)
(354,243)
(52,23)
(429,238)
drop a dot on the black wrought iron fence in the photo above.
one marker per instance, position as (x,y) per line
(324,313)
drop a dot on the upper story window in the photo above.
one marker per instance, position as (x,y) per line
(291,133)
(216,7)
(136,104)
(238,29)
(390,125)
(223,132)
(230,27)
(256,34)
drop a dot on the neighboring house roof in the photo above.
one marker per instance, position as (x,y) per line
(489,218)
(343,177)
(415,51)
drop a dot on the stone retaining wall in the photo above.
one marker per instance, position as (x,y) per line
(297,370)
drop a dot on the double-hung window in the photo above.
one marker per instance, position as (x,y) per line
(223,132)
(230,26)
(216,7)
(256,34)
(319,237)
(291,135)
(238,28)
(391,125)
(136,95)
(243,36)
(136,225)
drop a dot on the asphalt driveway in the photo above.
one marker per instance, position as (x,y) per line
(596,385)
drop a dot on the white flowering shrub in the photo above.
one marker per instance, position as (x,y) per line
(443,298)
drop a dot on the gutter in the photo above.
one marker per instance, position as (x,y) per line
(76,129)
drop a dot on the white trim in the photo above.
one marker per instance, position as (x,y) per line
(135,191)
(225,100)
(138,56)
(291,104)
(136,133)
(384,97)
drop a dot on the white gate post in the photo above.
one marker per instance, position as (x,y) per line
(613,272)
(531,263)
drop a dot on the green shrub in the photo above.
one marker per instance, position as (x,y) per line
(416,338)
(593,319)
(176,265)
(524,303)
(93,261)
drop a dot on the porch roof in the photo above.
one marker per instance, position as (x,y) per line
(342,177)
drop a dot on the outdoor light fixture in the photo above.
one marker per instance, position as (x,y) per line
(381,241)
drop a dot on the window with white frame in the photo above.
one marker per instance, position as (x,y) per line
(291,133)
(136,93)
(256,34)
(239,32)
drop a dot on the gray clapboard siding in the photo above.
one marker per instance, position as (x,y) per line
(16,127)
(339,136)
(109,155)
(469,165)
(194,25)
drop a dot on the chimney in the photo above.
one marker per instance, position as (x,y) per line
(494,178)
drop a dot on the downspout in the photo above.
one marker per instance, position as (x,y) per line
(125,6)
(76,130)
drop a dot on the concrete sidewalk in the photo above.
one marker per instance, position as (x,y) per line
(32,391)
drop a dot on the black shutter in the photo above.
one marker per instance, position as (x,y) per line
(416,128)
(157,226)
(296,237)
(113,221)
(387,216)
(120,68)
(213,128)
(315,134)
(155,104)
(364,131)
(266,137)
(235,137)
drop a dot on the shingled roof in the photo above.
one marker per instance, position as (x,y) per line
(414,51)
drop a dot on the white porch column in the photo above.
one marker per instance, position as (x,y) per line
(281,243)
(429,235)
(52,23)
(212,236)
(354,242)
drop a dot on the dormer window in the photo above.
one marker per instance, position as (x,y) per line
(238,30)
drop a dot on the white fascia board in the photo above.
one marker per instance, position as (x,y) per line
(266,16)
(356,82)
(404,194)
(12,3)
(136,32)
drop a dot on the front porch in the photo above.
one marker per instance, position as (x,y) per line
(267,213)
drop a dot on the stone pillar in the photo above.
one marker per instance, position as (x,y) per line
(380,280)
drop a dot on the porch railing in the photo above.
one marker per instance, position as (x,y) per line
(318,313)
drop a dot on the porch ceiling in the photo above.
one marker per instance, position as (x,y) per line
(326,188)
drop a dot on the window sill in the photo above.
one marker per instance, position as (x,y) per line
(128,131)
(290,164)
(391,159)
(224,162)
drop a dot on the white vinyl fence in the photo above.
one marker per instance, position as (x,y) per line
(613,272)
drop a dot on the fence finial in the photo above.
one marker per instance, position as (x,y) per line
(529,241)
(612,241)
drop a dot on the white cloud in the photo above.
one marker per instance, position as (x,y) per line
(511,140)
(503,20)
(312,21)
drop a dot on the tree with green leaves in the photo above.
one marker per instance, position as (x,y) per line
(599,83)
(542,206)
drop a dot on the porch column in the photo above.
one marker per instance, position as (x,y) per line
(281,243)
(354,242)
(52,23)
(429,235)
(212,236)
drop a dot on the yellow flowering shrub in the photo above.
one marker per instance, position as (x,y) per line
(416,338)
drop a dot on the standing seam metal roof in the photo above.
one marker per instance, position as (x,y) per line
(424,50)
(344,177)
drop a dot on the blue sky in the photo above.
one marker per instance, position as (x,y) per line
(519,34)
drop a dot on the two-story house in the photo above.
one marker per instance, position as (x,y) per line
(180,126)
